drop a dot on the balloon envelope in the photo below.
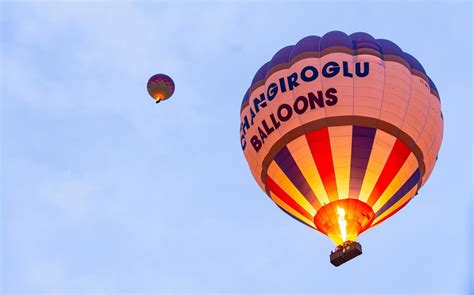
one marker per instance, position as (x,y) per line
(341,131)
(160,87)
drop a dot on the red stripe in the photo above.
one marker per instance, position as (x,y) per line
(282,195)
(397,157)
(320,147)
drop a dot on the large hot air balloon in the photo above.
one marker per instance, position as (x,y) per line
(341,132)
(160,87)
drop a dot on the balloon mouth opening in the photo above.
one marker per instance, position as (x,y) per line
(158,96)
(343,220)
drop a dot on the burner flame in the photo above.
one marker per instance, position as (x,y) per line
(341,213)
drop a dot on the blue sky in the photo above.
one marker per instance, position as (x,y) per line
(103,191)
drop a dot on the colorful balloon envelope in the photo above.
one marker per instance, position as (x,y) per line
(160,87)
(341,131)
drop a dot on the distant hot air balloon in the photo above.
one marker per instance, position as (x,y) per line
(341,132)
(160,87)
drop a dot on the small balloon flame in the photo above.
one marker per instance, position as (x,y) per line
(158,96)
(342,223)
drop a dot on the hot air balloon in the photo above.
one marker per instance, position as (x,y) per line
(341,131)
(160,87)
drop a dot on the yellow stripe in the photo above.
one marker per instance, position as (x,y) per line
(341,142)
(396,205)
(410,165)
(285,183)
(301,153)
(383,143)
(291,210)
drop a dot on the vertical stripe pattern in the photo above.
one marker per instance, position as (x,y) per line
(362,140)
(285,160)
(302,177)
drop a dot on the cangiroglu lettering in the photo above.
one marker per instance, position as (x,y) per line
(283,112)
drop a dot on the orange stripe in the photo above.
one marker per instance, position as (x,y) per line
(288,210)
(282,195)
(302,154)
(398,156)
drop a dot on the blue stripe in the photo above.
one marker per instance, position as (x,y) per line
(287,164)
(295,218)
(362,142)
(406,187)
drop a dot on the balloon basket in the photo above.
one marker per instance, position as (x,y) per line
(345,252)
